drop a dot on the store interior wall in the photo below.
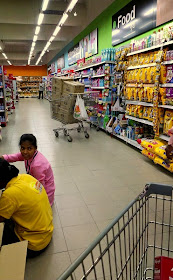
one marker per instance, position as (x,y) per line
(26,70)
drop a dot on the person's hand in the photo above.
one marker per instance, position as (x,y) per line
(169,150)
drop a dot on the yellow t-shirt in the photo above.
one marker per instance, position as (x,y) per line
(26,202)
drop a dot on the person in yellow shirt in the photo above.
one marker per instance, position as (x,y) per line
(25,202)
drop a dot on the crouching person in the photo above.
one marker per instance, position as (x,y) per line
(25,210)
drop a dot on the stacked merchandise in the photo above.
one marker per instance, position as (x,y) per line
(48,90)
(29,86)
(2,101)
(63,100)
(9,94)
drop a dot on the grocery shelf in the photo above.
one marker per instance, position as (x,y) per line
(2,111)
(87,85)
(98,76)
(151,48)
(139,103)
(139,85)
(95,64)
(85,76)
(166,106)
(167,62)
(141,66)
(166,85)
(164,137)
(139,120)
(129,141)
(98,87)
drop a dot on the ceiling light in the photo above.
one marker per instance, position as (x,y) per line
(33,44)
(45,4)
(40,19)
(129,34)
(75,14)
(63,19)
(71,5)
(9,62)
(57,29)
(0,48)
(35,38)
(4,55)
(37,30)
(51,38)
(149,12)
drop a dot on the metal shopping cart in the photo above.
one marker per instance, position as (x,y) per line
(62,109)
(126,249)
(92,107)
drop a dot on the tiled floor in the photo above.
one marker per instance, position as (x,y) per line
(95,180)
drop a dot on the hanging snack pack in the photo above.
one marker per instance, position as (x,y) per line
(168,121)
(148,154)
(151,144)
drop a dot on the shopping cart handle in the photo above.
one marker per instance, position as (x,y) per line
(153,188)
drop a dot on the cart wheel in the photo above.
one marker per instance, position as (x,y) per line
(56,134)
(87,135)
(97,128)
(65,133)
(69,138)
(78,129)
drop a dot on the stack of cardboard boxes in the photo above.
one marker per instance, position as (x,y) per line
(64,98)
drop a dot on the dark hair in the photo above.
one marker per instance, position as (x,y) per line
(28,137)
(7,171)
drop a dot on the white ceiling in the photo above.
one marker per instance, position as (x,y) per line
(18,19)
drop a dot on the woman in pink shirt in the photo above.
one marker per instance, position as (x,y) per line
(35,163)
(169,148)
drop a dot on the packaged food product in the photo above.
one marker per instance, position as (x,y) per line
(169,96)
(161,115)
(151,144)
(163,74)
(146,113)
(133,110)
(152,75)
(148,154)
(163,95)
(139,111)
(150,114)
(145,94)
(160,151)
(128,109)
(142,75)
(160,161)
(168,121)
(169,74)
(141,94)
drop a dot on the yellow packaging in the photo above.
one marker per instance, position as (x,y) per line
(161,162)
(146,113)
(151,54)
(142,75)
(148,154)
(152,76)
(163,95)
(146,58)
(151,144)
(150,114)
(128,109)
(168,121)
(147,75)
(145,94)
(141,94)
(133,110)
(155,56)
(133,76)
(160,151)
(140,111)
(163,74)
(161,115)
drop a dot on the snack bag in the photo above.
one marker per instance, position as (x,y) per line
(151,55)
(142,75)
(151,144)
(140,111)
(160,151)
(169,96)
(169,74)
(150,114)
(147,79)
(132,110)
(168,121)
(132,93)
(163,95)
(128,109)
(161,115)
(148,154)
(146,113)
(141,94)
(152,75)
(135,111)
(163,75)
(160,161)
(133,76)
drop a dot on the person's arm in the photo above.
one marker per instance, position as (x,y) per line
(13,157)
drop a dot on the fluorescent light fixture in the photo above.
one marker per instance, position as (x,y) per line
(45,4)
(47,45)
(63,19)
(129,34)
(37,30)
(35,38)
(56,31)
(51,38)
(32,48)
(9,62)
(4,55)
(0,48)
(148,23)
(150,12)
(71,5)
(131,23)
(33,44)
(116,31)
(40,19)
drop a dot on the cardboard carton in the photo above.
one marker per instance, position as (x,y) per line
(66,116)
(12,259)
(68,103)
(73,87)
(58,82)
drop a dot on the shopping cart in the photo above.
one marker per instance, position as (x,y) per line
(62,110)
(91,102)
(126,249)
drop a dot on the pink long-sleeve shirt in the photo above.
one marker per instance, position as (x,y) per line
(39,167)
(170,133)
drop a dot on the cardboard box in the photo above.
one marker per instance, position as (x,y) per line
(73,87)
(68,104)
(12,259)
(58,82)
(66,116)
(163,268)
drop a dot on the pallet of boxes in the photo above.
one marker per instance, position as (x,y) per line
(64,98)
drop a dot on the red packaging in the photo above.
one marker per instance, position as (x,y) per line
(163,268)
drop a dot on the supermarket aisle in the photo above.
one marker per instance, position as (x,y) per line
(95,179)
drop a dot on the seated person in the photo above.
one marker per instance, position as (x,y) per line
(169,148)
(24,202)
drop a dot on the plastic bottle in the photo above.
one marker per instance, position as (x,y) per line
(158,37)
(153,39)
(161,36)
(149,41)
